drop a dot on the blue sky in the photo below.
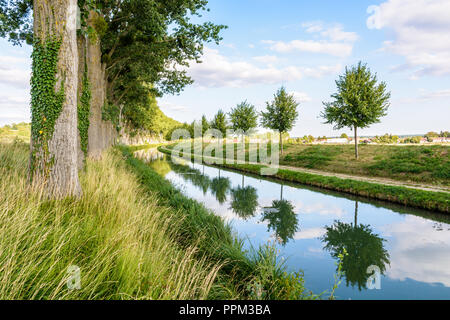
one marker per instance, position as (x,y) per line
(303,45)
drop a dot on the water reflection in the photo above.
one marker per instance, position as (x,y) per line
(364,248)
(220,187)
(411,247)
(244,201)
(282,220)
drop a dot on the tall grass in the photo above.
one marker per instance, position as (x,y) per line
(123,242)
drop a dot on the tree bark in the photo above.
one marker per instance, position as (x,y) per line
(356,213)
(356,142)
(54,162)
(101,134)
(281,142)
(81,43)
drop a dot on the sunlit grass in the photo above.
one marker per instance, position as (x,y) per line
(123,242)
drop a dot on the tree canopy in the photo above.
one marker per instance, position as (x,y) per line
(359,102)
(220,122)
(243,117)
(281,114)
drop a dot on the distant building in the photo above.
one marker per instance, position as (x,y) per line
(441,140)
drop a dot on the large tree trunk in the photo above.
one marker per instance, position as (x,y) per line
(356,142)
(54,127)
(102,134)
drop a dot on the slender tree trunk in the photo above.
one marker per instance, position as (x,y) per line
(243,181)
(281,142)
(356,142)
(356,213)
(281,192)
(53,161)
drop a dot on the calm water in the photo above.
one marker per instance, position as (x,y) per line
(311,227)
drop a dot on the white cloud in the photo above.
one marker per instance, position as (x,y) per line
(335,41)
(301,96)
(171,106)
(312,233)
(333,48)
(421,30)
(436,95)
(219,71)
(423,258)
(14,89)
(334,33)
(266,59)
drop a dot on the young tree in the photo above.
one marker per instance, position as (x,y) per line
(280,114)
(359,102)
(244,117)
(220,122)
(205,125)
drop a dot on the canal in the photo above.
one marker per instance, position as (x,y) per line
(407,251)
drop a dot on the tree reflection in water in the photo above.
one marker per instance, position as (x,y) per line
(219,188)
(244,201)
(364,249)
(282,219)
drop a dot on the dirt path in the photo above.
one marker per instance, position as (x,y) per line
(378,180)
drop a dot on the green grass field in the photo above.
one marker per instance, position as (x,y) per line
(20,131)
(427,164)
(420,164)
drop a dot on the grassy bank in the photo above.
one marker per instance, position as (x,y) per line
(434,201)
(132,235)
(419,164)
(423,164)
(124,243)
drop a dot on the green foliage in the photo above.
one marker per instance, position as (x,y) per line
(46,103)
(147,117)
(143,38)
(281,113)
(363,247)
(220,122)
(344,136)
(205,125)
(359,102)
(387,138)
(282,219)
(244,201)
(16,21)
(243,117)
(84,111)
(111,112)
(432,134)
(414,140)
